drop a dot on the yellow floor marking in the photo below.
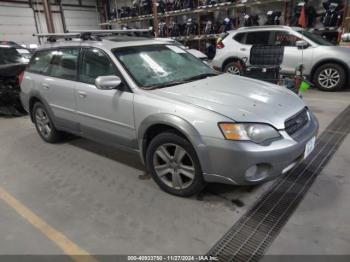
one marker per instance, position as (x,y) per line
(69,248)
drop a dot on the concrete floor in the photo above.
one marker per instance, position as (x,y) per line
(100,199)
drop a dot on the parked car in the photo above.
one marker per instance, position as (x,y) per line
(325,64)
(189,124)
(13,60)
(193,52)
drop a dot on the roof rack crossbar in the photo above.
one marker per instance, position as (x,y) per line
(112,31)
(90,34)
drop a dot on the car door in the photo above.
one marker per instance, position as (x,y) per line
(241,50)
(60,86)
(248,40)
(293,56)
(53,72)
(104,115)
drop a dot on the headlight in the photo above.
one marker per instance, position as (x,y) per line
(257,133)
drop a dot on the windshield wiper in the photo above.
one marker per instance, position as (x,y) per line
(174,83)
(201,76)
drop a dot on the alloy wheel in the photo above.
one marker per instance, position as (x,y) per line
(43,122)
(329,78)
(234,70)
(174,166)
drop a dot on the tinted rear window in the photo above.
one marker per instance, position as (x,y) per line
(41,62)
(10,55)
(239,38)
(258,38)
(64,63)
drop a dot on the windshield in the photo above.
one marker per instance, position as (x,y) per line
(10,55)
(159,66)
(315,38)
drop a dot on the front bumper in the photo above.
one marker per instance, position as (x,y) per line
(228,161)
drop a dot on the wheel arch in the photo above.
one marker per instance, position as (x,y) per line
(36,97)
(229,60)
(156,124)
(330,61)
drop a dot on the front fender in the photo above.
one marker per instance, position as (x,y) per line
(180,124)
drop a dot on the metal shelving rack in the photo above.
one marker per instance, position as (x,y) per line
(204,10)
(199,11)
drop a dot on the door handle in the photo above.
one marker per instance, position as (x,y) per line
(82,94)
(243,49)
(45,86)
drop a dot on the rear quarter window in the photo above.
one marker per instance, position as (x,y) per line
(239,37)
(40,62)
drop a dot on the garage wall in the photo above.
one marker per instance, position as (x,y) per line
(17,21)
(81,19)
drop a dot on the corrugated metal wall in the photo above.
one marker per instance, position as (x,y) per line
(17,21)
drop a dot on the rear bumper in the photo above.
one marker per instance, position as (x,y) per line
(229,161)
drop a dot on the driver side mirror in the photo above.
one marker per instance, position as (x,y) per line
(302,44)
(108,82)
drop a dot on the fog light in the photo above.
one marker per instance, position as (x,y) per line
(257,172)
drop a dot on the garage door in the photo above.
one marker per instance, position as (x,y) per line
(81,20)
(17,24)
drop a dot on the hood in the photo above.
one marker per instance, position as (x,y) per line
(239,98)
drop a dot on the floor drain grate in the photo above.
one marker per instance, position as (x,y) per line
(254,232)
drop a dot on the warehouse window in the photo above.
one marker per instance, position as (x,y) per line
(64,63)
(94,64)
(258,38)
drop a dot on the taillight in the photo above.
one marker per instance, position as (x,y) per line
(220,45)
(20,77)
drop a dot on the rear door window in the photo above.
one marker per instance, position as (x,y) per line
(41,62)
(64,63)
(258,38)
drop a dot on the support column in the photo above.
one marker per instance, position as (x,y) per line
(64,25)
(48,16)
(155,17)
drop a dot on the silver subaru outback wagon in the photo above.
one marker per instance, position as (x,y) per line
(189,124)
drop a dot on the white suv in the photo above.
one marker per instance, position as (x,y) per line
(326,65)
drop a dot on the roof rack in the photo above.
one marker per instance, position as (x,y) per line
(93,34)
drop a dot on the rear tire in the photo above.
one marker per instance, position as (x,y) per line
(44,124)
(330,77)
(234,68)
(174,165)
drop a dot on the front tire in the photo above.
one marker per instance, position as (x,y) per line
(174,165)
(330,77)
(44,124)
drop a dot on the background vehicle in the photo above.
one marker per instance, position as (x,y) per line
(182,117)
(326,65)
(13,60)
(194,52)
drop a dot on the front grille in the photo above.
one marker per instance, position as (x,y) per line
(297,122)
